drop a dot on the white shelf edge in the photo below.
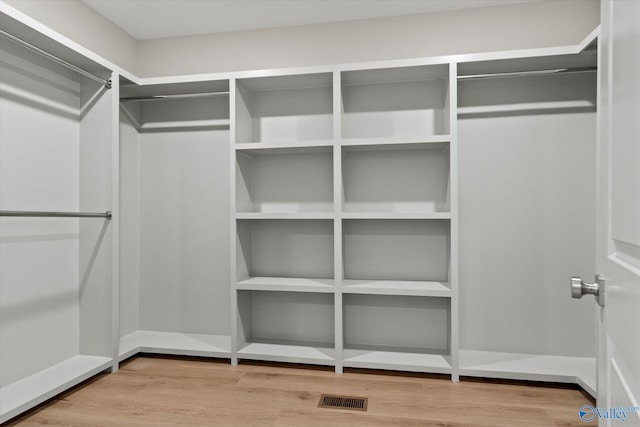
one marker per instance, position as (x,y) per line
(532,367)
(287,353)
(285,215)
(24,394)
(401,140)
(188,124)
(532,106)
(174,343)
(259,146)
(289,284)
(396,287)
(396,215)
(397,360)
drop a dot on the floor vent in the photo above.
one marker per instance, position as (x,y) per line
(343,402)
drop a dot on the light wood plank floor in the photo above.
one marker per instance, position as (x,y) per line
(154,391)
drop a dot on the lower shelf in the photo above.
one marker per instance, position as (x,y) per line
(37,388)
(286,284)
(175,343)
(396,360)
(397,287)
(534,367)
(288,353)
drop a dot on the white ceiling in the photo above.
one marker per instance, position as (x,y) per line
(152,19)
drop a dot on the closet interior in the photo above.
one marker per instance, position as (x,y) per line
(174,297)
(59,260)
(412,215)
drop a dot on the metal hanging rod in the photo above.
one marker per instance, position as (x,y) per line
(176,96)
(106,215)
(55,59)
(529,73)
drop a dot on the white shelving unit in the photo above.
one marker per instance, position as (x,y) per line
(359,215)
(516,318)
(174,288)
(58,153)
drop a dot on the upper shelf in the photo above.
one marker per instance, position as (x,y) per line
(587,58)
(525,85)
(184,108)
(51,46)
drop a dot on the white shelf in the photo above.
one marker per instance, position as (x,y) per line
(288,353)
(533,367)
(397,360)
(284,215)
(188,124)
(37,388)
(526,106)
(286,284)
(174,343)
(265,147)
(396,287)
(427,139)
(396,215)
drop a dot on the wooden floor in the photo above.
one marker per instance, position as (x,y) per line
(153,391)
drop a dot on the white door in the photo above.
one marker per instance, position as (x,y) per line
(618,234)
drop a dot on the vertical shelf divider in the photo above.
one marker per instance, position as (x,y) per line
(337,233)
(115,220)
(233,222)
(452,110)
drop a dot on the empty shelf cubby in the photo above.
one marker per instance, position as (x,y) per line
(285,180)
(284,109)
(287,248)
(396,249)
(408,102)
(402,178)
(403,323)
(286,326)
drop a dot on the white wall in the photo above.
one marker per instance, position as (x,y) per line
(39,170)
(528,25)
(80,23)
(518,26)
(129,226)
